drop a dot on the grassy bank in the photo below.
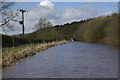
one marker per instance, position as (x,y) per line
(11,56)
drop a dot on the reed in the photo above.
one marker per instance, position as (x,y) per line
(11,57)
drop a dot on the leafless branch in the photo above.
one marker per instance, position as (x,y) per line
(42,23)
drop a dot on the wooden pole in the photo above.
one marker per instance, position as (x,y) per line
(22,11)
(23,22)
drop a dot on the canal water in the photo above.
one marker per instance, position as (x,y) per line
(71,60)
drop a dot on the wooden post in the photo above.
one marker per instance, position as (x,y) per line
(13,42)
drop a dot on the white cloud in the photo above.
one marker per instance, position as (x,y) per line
(47,3)
(106,13)
(71,14)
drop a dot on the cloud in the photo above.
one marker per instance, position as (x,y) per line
(107,13)
(70,14)
(47,3)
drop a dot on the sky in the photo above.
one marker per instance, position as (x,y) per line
(60,12)
(64,0)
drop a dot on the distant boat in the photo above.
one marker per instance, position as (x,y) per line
(72,39)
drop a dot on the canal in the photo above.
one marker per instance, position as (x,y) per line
(71,60)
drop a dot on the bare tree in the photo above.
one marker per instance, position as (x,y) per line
(7,15)
(42,23)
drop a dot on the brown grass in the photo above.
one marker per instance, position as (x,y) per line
(11,57)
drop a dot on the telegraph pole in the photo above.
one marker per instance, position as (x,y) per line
(22,22)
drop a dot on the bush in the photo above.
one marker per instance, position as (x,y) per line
(94,30)
(112,31)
